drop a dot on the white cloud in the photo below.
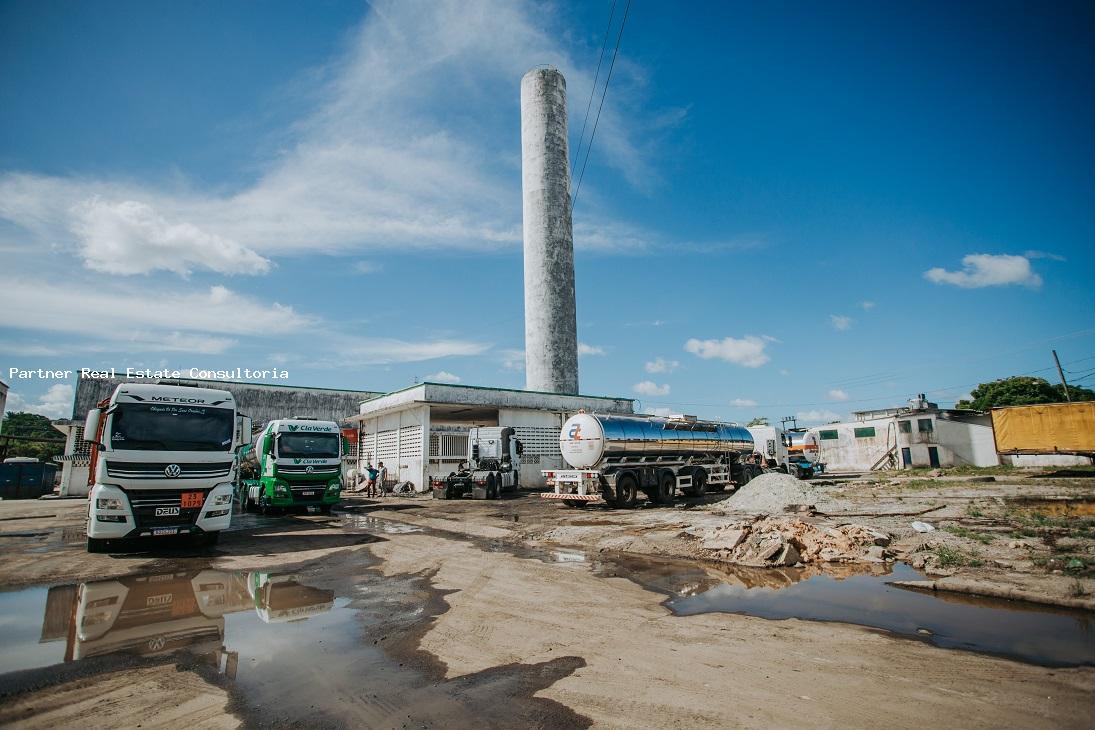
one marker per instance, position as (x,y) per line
(442,376)
(41,306)
(866,305)
(134,341)
(661,412)
(54,403)
(1044,255)
(743,402)
(584,349)
(649,387)
(513,360)
(367,267)
(128,237)
(393,153)
(816,416)
(839,322)
(838,394)
(661,365)
(748,351)
(386,351)
(983,269)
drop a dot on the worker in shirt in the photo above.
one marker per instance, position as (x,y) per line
(381,475)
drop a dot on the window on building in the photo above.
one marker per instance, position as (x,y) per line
(865,433)
(904,426)
(924,425)
(829,435)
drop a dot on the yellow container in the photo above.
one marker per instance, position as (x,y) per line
(1045,429)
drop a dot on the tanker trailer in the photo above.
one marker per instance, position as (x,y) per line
(616,457)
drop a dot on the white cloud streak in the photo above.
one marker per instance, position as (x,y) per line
(649,387)
(838,394)
(54,403)
(981,270)
(816,416)
(749,351)
(743,403)
(661,365)
(584,349)
(442,376)
(840,322)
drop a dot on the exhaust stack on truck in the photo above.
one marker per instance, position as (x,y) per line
(162,462)
(616,457)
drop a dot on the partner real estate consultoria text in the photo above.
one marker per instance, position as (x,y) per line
(135,373)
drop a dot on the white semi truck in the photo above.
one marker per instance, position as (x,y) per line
(493,466)
(616,457)
(163,462)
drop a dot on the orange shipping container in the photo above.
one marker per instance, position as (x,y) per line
(1045,429)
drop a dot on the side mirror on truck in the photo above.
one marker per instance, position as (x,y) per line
(245,431)
(91,425)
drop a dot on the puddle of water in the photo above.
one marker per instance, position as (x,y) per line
(291,653)
(1040,635)
(377,525)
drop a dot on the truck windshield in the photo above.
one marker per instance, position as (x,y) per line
(308,445)
(166,427)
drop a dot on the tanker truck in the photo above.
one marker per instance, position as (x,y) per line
(792,452)
(616,457)
(294,462)
(162,463)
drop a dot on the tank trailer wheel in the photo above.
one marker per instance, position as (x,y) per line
(699,481)
(627,492)
(663,492)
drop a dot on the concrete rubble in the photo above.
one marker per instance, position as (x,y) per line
(787,541)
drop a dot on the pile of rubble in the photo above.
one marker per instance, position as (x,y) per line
(773,541)
(771,493)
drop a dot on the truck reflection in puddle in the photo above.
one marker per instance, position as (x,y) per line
(158,614)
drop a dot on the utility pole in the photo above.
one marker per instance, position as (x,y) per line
(1062,374)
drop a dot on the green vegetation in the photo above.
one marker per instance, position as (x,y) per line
(982,537)
(35,426)
(973,511)
(758,421)
(949,557)
(1021,390)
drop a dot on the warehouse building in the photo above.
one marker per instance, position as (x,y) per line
(917,434)
(263,402)
(422,431)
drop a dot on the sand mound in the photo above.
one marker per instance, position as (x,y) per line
(770,493)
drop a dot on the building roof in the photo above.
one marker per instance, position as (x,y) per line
(477,395)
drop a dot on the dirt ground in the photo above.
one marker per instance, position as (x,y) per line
(497,614)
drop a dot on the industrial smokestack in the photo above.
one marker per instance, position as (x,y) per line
(551,328)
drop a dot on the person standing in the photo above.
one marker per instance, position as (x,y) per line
(381,475)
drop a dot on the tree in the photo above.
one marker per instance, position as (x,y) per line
(1020,390)
(758,421)
(34,426)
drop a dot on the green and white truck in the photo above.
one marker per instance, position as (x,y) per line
(292,463)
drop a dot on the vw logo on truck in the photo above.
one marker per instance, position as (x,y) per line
(172,471)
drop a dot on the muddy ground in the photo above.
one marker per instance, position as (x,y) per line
(411,612)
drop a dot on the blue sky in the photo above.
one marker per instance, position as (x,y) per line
(788,209)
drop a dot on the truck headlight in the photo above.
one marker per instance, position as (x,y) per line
(333,487)
(281,490)
(217,513)
(109,503)
(222,499)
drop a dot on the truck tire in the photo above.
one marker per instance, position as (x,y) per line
(699,482)
(662,493)
(98,545)
(627,492)
(492,486)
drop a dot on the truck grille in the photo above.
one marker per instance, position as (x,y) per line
(146,501)
(317,489)
(304,469)
(158,470)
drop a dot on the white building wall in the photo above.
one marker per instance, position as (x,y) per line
(851,453)
(1028,460)
(401,441)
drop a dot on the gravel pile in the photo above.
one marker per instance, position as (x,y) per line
(770,493)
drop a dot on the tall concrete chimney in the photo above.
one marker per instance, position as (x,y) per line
(551,328)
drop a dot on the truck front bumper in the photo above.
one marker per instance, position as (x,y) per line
(111,514)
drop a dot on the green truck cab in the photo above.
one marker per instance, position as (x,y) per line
(292,463)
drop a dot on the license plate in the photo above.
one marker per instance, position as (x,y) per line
(160,600)
(159,531)
(192,499)
(167,511)
(568,476)
(307,494)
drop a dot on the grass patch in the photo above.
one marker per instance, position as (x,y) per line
(949,557)
(974,511)
(982,537)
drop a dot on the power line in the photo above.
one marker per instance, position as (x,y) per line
(597,119)
(593,90)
